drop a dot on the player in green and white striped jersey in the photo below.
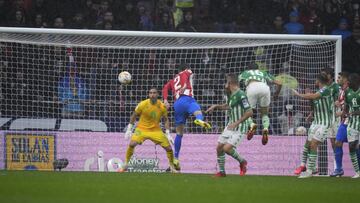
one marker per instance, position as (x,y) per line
(239,111)
(352,101)
(334,89)
(321,101)
(258,93)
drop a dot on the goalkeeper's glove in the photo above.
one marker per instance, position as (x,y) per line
(168,136)
(128,131)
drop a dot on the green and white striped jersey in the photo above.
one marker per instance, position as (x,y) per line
(258,75)
(334,89)
(323,108)
(352,99)
(238,104)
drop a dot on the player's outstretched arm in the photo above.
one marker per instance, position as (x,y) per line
(278,88)
(308,96)
(217,106)
(249,113)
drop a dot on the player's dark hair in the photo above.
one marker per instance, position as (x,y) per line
(328,71)
(232,78)
(253,66)
(182,66)
(354,80)
(154,88)
(344,74)
(322,78)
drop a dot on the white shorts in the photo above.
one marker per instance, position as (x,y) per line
(258,93)
(352,134)
(333,130)
(231,137)
(318,132)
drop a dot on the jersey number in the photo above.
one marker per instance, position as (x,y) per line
(176,83)
(256,72)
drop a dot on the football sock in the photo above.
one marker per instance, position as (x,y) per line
(354,161)
(129,153)
(177,145)
(234,154)
(221,162)
(200,117)
(358,155)
(265,121)
(312,160)
(304,155)
(338,157)
(170,156)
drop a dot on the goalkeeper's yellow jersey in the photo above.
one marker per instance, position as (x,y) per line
(150,115)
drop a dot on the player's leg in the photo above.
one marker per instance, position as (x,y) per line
(353,138)
(136,139)
(251,93)
(306,150)
(180,120)
(220,157)
(319,136)
(195,109)
(264,111)
(159,138)
(341,137)
(264,103)
(230,148)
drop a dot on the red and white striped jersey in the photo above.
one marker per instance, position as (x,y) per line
(181,85)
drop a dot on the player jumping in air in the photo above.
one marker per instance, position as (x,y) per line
(184,105)
(258,92)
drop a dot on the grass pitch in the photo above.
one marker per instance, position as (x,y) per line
(87,187)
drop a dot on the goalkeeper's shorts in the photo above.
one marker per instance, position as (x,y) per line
(157,137)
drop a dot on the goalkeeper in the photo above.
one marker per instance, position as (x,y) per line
(150,112)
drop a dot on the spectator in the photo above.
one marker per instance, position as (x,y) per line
(89,13)
(187,24)
(145,23)
(78,22)
(311,19)
(293,27)
(342,29)
(165,23)
(225,16)
(39,22)
(18,19)
(58,23)
(73,93)
(4,8)
(130,17)
(277,26)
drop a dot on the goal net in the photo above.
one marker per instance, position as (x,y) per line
(64,81)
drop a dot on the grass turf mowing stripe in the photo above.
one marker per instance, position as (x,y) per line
(35,186)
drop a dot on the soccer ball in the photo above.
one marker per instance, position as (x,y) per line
(124,77)
(300,130)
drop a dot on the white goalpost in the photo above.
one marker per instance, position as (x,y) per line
(56,82)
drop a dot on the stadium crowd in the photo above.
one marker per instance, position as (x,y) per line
(338,17)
